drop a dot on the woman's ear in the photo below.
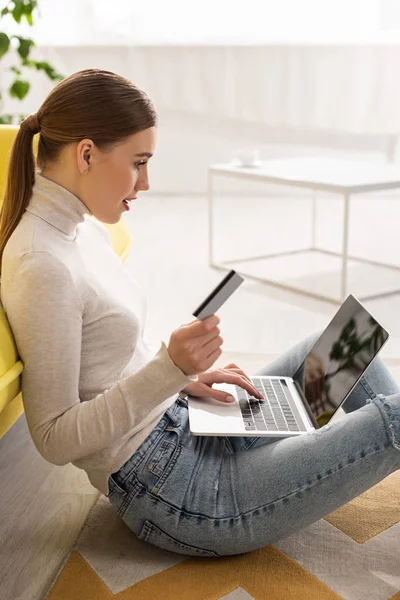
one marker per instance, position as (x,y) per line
(84,155)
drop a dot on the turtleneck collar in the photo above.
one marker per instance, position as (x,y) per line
(56,205)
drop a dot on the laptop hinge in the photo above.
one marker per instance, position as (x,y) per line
(306,405)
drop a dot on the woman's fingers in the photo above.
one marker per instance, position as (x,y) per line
(213,345)
(236,369)
(227,376)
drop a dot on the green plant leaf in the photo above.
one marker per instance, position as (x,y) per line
(16,71)
(19,89)
(32,5)
(25,62)
(23,8)
(4,44)
(18,10)
(25,46)
(4,11)
(47,68)
(29,7)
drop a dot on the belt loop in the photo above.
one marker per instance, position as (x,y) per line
(182,401)
(172,417)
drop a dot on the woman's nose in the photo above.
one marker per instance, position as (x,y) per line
(143,185)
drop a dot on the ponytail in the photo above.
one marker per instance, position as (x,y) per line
(20,180)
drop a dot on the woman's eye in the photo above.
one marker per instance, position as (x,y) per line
(139,164)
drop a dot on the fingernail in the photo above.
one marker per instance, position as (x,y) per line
(230,399)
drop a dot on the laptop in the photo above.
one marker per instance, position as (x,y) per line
(293,406)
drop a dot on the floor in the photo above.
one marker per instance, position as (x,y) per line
(42,507)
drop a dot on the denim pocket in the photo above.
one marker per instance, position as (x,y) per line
(114,487)
(161,457)
(157,537)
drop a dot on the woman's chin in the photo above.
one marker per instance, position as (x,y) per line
(109,219)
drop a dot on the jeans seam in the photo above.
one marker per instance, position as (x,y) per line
(388,413)
(368,388)
(128,499)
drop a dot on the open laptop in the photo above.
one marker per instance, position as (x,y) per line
(293,406)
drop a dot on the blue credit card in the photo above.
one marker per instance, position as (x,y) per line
(219,295)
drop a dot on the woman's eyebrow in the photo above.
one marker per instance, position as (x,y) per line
(144,154)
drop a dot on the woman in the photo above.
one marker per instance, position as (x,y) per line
(96,396)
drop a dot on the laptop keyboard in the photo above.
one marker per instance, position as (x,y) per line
(273,412)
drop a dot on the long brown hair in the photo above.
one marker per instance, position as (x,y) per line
(93,103)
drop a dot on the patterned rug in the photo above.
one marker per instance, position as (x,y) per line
(354,553)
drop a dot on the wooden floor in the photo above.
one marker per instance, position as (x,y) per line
(43,507)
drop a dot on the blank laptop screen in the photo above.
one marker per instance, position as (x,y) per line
(338,359)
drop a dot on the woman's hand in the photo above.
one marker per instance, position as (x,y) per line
(229,374)
(195,347)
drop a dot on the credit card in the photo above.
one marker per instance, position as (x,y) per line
(219,295)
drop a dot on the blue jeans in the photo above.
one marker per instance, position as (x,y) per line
(215,496)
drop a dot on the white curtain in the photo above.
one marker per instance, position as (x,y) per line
(101,22)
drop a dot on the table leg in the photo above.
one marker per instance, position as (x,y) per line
(343,290)
(210,218)
(314,220)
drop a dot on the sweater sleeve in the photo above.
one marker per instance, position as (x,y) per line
(46,316)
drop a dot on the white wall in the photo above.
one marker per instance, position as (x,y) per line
(188,144)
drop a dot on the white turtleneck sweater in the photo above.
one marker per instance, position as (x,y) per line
(92,389)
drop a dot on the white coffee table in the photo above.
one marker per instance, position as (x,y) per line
(344,177)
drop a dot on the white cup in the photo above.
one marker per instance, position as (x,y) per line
(248,157)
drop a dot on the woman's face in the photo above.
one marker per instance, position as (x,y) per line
(116,175)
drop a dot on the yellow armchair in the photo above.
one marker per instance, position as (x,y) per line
(11,367)
(11,407)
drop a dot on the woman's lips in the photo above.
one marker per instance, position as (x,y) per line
(126,200)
